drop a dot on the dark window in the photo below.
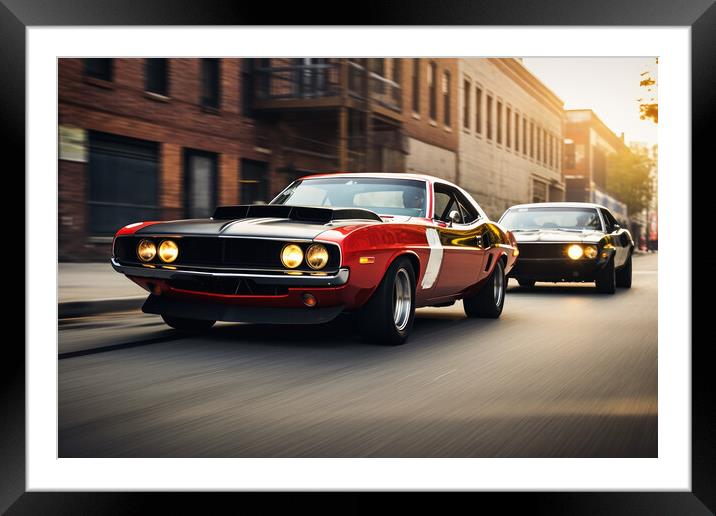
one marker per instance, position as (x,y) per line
(99,68)
(448,199)
(478,110)
(539,144)
(247,87)
(508,127)
(446,98)
(416,85)
(210,82)
(199,183)
(532,140)
(253,182)
(517,132)
(469,213)
(609,220)
(156,76)
(122,182)
(433,90)
(499,122)
(466,105)
(524,136)
(489,117)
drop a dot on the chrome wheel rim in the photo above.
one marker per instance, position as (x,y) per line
(498,285)
(402,299)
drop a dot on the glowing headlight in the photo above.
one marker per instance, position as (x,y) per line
(575,251)
(168,251)
(317,256)
(590,252)
(146,250)
(291,256)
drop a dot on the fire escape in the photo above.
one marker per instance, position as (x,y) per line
(330,114)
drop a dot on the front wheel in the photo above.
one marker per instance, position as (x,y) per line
(488,302)
(623,275)
(388,315)
(188,325)
(606,278)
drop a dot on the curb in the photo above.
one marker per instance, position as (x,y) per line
(98,306)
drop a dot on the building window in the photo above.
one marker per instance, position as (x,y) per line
(489,117)
(247,87)
(517,132)
(156,76)
(446,98)
(539,144)
(123,182)
(539,191)
(508,127)
(416,85)
(466,105)
(199,183)
(532,139)
(478,110)
(499,122)
(396,77)
(210,82)
(433,90)
(524,136)
(99,68)
(550,148)
(569,154)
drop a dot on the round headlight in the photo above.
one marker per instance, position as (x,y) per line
(590,252)
(168,251)
(146,250)
(291,256)
(317,256)
(575,251)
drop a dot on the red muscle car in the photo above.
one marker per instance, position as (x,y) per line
(376,245)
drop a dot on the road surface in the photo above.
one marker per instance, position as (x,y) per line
(565,372)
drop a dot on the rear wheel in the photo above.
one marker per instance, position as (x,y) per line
(623,275)
(388,315)
(526,282)
(606,278)
(188,325)
(488,302)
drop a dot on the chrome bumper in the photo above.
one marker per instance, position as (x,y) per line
(290,280)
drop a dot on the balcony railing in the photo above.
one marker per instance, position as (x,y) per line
(288,79)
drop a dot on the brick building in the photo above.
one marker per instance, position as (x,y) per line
(510,133)
(587,146)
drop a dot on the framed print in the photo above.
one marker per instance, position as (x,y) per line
(415,254)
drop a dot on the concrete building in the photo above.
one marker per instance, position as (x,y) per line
(587,146)
(510,133)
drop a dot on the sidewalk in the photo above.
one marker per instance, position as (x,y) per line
(90,288)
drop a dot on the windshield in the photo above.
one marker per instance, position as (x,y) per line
(381,195)
(574,219)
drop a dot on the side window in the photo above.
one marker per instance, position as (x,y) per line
(609,220)
(443,200)
(469,213)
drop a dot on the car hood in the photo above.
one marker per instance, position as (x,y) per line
(258,227)
(556,235)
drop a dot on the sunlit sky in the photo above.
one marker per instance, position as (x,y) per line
(607,85)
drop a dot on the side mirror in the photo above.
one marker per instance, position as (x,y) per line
(616,227)
(454,217)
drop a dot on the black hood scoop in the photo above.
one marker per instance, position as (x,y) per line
(297,213)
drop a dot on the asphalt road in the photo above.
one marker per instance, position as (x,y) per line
(565,372)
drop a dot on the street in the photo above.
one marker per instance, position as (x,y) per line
(565,372)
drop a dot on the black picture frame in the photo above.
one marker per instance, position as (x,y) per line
(700,15)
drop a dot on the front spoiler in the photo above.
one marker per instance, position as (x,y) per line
(212,311)
(296,281)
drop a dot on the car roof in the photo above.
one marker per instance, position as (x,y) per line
(558,205)
(387,175)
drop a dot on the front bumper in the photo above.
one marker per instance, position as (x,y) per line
(283,279)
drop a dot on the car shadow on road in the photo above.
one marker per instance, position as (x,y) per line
(571,289)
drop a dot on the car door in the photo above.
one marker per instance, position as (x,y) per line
(463,253)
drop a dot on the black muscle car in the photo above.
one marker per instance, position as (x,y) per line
(569,241)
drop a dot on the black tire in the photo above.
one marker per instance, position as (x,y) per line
(379,320)
(606,281)
(526,282)
(623,275)
(188,325)
(490,300)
